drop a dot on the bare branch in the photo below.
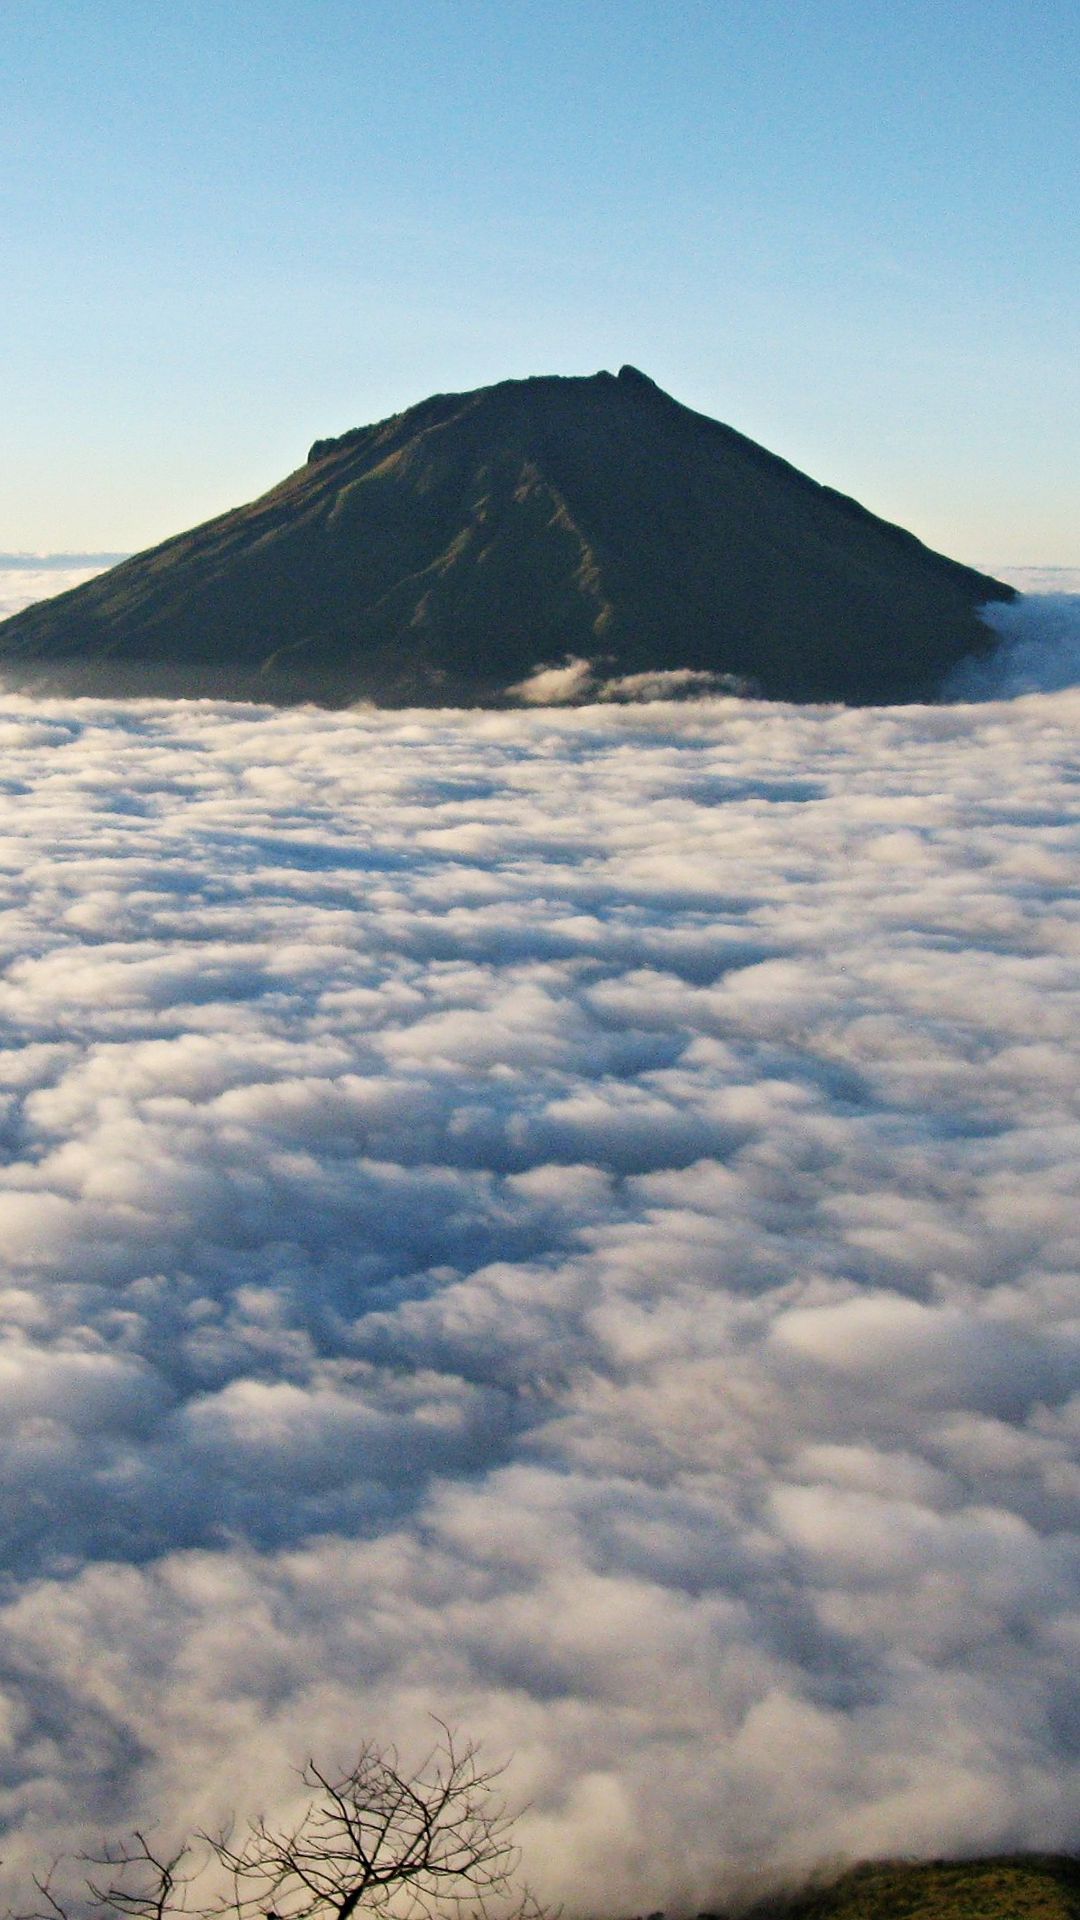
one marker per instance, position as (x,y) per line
(55,1908)
(435,1841)
(142,1884)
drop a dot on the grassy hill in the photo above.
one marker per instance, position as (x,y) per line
(1011,1887)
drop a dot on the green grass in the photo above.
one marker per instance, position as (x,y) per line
(1012,1887)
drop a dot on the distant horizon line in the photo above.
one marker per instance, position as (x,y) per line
(64,558)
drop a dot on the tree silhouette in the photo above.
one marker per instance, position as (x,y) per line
(407,1844)
(434,1840)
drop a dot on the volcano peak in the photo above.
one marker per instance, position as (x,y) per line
(448,553)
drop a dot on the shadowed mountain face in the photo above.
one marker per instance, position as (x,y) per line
(441,556)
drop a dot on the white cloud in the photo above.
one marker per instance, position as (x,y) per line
(560,1218)
(38,579)
(556,686)
(1039,639)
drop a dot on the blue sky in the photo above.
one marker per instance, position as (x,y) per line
(848,229)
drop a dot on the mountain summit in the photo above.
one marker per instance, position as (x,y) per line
(444,556)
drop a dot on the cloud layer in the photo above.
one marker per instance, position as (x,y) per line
(566,1219)
(1038,636)
(26,578)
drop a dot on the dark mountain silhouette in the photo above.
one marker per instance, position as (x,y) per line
(440,556)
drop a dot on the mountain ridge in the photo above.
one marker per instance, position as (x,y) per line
(440,556)
(1011,1886)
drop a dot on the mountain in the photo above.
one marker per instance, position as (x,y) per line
(442,556)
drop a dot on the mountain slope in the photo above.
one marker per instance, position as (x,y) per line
(1011,1887)
(440,556)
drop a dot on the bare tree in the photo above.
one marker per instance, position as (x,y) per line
(433,1840)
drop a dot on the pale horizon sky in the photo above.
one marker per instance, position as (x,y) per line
(843,229)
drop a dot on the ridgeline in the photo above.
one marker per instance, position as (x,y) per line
(1024,1886)
(440,557)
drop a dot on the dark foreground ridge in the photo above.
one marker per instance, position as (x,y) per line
(438,558)
(1009,1887)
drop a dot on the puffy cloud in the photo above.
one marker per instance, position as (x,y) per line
(556,686)
(576,680)
(561,1218)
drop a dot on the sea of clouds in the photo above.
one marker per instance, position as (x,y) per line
(564,1219)
(27,577)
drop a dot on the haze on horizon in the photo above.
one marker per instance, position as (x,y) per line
(839,229)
